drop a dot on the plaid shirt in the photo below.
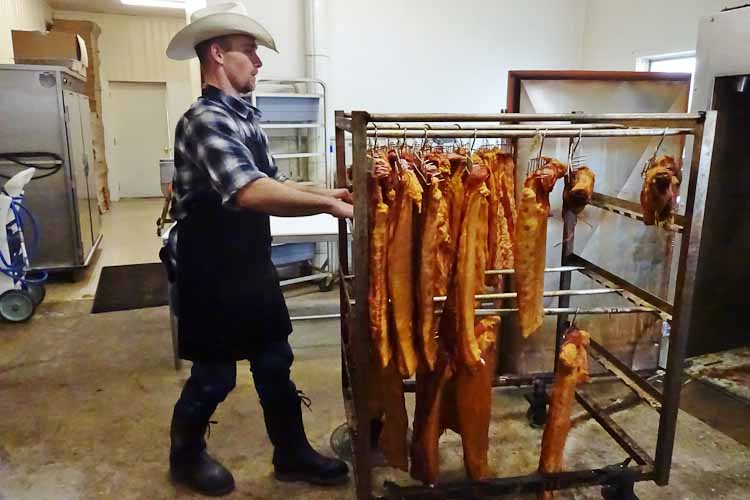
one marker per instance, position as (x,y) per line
(219,146)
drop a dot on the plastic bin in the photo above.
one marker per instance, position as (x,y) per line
(166,172)
(288,109)
(291,253)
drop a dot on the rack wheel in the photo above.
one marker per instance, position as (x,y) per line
(620,490)
(37,291)
(16,306)
(326,285)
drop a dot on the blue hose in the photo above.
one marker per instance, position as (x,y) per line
(16,269)
(34,226)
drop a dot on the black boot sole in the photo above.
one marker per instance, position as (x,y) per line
(290,477)
(209,493)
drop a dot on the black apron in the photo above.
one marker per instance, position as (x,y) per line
(229,296)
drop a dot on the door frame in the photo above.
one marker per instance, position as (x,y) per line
(109,127)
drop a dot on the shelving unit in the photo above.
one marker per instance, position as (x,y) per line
(287,156)
(294,118)
(299,107)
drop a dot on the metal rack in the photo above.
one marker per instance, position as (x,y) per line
(354,291)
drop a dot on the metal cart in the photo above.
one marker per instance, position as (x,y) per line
(617,478)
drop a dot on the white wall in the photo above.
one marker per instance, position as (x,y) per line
(444,55)
(453,56)
(133,49)
(31,15)
(285,20)
(618,32)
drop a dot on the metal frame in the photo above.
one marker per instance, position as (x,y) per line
(354,303)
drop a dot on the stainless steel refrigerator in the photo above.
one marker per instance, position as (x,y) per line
(45,121)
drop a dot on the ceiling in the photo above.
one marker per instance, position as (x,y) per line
(112,7)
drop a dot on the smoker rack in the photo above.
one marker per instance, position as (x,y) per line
(618,478)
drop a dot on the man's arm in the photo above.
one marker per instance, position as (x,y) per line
(340,194)
(272,197)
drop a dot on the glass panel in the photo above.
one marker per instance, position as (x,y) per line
(677,65)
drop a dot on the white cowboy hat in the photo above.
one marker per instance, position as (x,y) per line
(217,20)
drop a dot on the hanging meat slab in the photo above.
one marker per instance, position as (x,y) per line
(578,192)
(661,187)
(473,396)
(458,399)
(445,253)
(378,296)
(494,216)
(434,234)
(508,167)
(471,261)
(505,258)
(428,426)
(400,276)
(392,439)
(455,194)
(573,369)
(530,248)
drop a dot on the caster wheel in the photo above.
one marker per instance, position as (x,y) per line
(619,491)
(16,306)
(36,291)
(326,285)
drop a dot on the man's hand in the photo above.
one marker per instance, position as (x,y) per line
(341,209)
(342,194)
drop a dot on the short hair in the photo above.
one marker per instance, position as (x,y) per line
(204,47)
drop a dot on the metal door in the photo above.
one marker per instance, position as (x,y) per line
(140,139)
(78,170)
(88,149)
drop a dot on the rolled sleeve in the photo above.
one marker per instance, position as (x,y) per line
(222,153)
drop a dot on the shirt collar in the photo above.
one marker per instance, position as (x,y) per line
(239,105)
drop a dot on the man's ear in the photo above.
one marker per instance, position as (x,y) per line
(217,53)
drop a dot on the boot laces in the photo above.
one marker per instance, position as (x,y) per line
(208,427)
(304,399)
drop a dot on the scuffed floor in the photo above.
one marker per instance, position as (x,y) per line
(86,399)
(727,370)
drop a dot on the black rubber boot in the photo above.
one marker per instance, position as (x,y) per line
(293,457)
(191,465)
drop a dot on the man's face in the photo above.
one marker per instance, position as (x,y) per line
(241,63)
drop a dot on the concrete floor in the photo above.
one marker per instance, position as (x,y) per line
(86,400)
(129,231)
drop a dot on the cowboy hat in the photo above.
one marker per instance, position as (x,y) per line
(217,20)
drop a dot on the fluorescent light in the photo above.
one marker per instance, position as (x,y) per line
(169,4)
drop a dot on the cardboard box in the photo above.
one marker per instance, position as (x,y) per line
(90,32)
(49,46)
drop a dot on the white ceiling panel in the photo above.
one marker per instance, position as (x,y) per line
(112,7)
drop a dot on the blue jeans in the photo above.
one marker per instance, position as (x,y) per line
(210,383)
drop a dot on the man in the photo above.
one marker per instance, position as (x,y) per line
(231,307)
